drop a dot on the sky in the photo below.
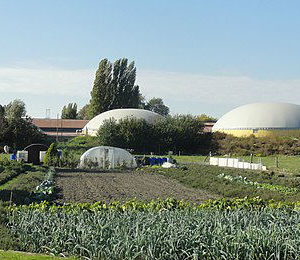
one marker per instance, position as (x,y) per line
(199,56)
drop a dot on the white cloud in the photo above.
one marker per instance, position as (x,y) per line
(46,81)
(196,93)
(217,89)
(183,92)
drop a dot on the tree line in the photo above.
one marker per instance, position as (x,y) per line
(182,133)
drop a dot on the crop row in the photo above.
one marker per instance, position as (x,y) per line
(246,181)
(160,205)
(166,234)
(9,170)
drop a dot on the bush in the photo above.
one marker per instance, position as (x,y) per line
(178,133)
(51,157)
(227,144)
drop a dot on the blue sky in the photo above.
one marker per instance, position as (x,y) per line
(199,56)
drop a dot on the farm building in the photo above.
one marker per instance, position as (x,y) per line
(94,124)
(107,157)
(261,119)
(63,128)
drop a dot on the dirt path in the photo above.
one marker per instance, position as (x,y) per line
(92,187)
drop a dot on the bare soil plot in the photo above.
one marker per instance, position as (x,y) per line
(92,187)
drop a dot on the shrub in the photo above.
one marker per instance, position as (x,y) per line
(51,157)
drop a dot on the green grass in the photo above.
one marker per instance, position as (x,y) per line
(190,158)
(288,164)
(11,255)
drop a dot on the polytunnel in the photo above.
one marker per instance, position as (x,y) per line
(107,157)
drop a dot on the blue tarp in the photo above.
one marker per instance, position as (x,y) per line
(157,160)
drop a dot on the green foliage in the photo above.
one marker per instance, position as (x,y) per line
(178,133)
(84,113)
(19,181)
(11,169)
(74,148)
(263,146)
(46,190)
(6,240)
(69,111)
(16,129)
(206,118)
(114,87)
(51,157)
(246,181)
(205,177)
(15,109)
(251,232)
(158,205)
(131,133)
(157,105)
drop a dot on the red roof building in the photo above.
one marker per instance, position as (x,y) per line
(60,127)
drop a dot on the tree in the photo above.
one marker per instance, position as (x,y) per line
(69,111)
(84,112)
(179,133)
(102,92)
(128,133)
(15,109)
(125,93)
(114,87)
(206,118)
(157,105)
(16,129)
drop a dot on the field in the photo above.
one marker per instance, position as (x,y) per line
(92,187)
(193,182)
(127,221)
(166,234)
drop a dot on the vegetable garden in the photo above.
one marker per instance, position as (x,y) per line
(249,214)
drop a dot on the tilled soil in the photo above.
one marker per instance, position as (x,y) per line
(92,187)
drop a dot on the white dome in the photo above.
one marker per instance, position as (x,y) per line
(94,124)
(261,116)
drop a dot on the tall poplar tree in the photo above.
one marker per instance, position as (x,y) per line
(101,94)
(69,111)
(114,87)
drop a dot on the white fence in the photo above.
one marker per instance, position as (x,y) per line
(236,163)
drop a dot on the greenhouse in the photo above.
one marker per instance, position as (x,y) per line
(106,157)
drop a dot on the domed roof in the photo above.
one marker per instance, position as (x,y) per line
(261,116)
(94,124)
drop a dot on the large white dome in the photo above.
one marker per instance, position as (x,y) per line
(94,124)
(261,116)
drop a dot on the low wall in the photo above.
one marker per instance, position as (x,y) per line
(236,163)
